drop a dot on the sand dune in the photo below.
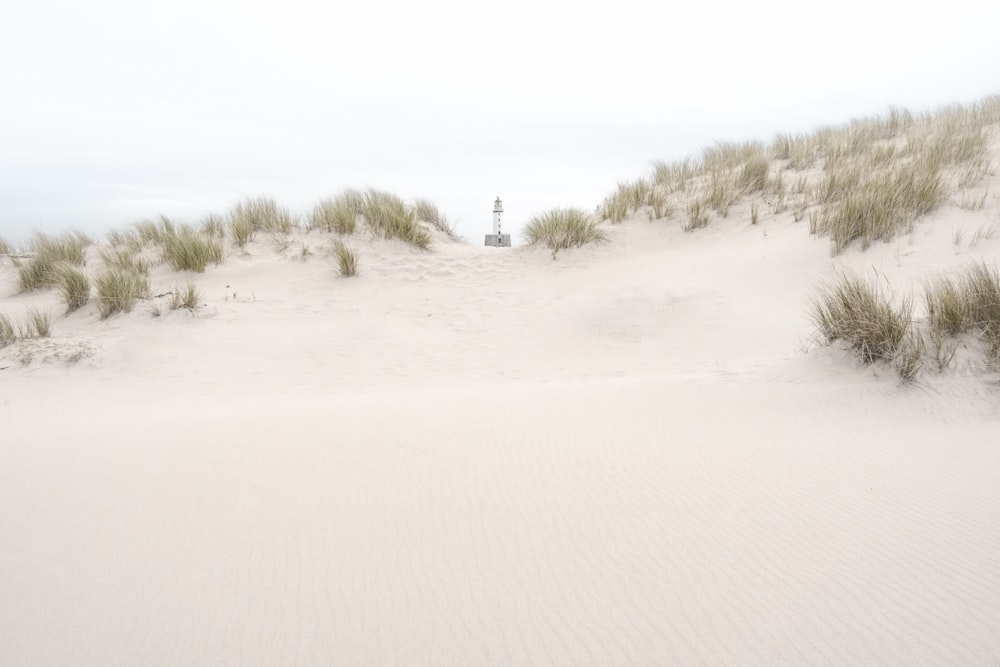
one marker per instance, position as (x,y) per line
(636,453)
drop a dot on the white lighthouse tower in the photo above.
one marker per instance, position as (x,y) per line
(498,239)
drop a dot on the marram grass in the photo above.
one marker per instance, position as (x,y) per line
(50,252)
(562,228)
(347,259)
(74,286)
(189,251)
(118,290)
(860,313)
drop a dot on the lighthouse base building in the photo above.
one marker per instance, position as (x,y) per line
(498,239)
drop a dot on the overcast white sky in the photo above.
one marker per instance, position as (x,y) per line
(119,110)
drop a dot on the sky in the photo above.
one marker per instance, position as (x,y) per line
(116,111)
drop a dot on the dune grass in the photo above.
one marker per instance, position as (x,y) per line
(74,287)
(242,230)
(347,258)
(968,303)
(187,297)
(213,226)
(7,332)
(428,212)
(38,324)
(697,215)
(189,251)
(628,198)
(614,209)
(866,180)
(389,217)
(48,254)
(562,228)
(4,246)
(337,214)
(753,175)
(262,214)
(119,257)
(118,290)
(881,206)
(859,312)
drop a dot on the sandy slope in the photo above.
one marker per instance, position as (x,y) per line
(633,454)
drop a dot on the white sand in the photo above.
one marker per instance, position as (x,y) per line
(634,454)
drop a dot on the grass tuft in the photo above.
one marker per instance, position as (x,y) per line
(118,290)
(262,214)
(124,258)
(388,216)
(562,228)
(425,210)
(971,302)
(697,215)
(39,324)
(858,312)
(74,287)
(186,297)
(753,175)
(347,258)
(337,214)
(49,253)
(242,230)
(881,206)
(189,251)
(7,333)
(214,226)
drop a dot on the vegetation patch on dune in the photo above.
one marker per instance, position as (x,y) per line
(337,214)
(967,303)
(864,181)
(124,257)
(428,212)
(262,214)
(48,254)
(74,286)
(388,216)
(189,251)
(7,332)
(187,297)
(118,290)
(347,258)
(859,312)
(562,228)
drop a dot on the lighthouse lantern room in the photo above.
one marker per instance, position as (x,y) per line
(498,239)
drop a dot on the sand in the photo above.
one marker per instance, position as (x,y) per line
(635,453)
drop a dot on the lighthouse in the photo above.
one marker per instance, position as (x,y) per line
(498,239)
